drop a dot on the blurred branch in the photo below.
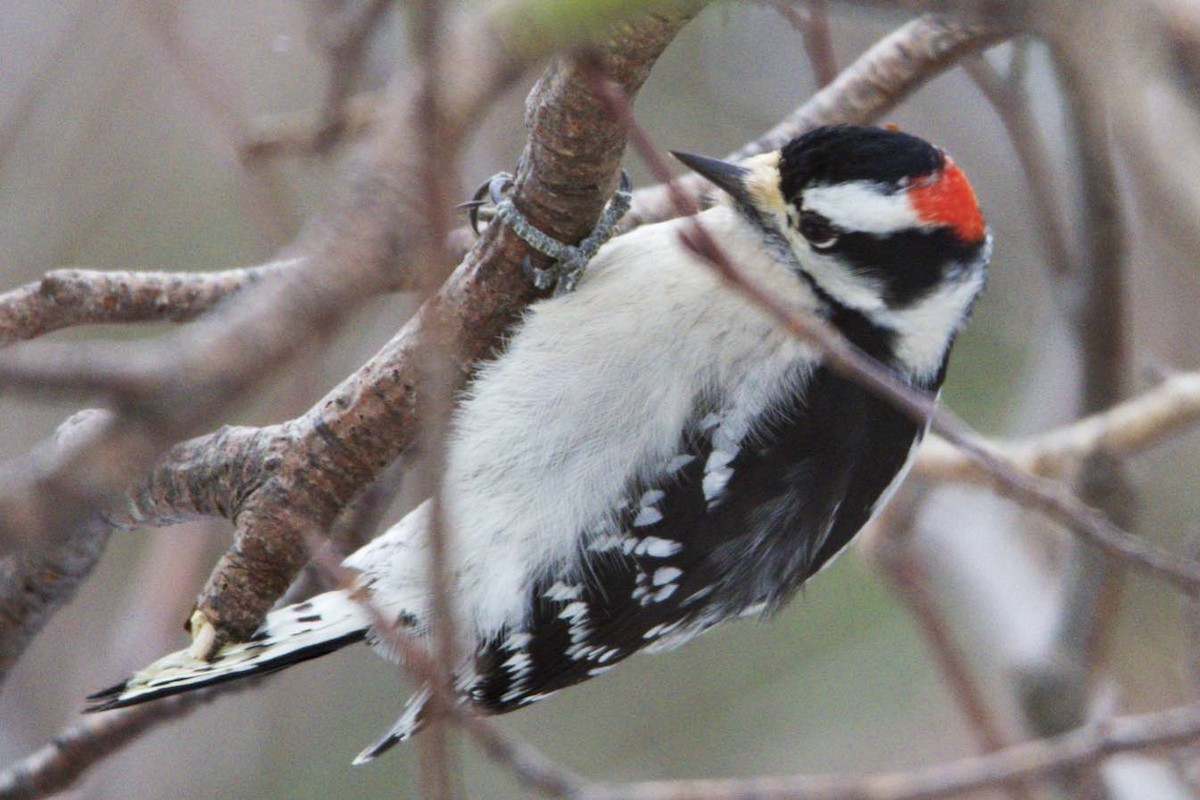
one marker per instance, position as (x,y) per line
(343,29)
(263,196)
(72,752)
(69,297)
(813,23)
(874,84)
(891,552)
(1126,429)
(1173,727)
(1091,593)
(1099,318)
(1009,98)
(435,365)
(304,132)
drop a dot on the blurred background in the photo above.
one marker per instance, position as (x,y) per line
(117,150)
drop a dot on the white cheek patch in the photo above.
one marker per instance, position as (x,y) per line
(863,206)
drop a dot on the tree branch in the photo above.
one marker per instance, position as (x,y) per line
(875,83)
(68,297)
(1136,733)
(1127,429)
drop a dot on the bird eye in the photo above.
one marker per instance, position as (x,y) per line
(819,231)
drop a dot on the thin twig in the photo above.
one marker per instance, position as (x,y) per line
(877,81)
(343,30)
(1172,727)
(1011,102)
(69,754)
(813,24)
(438,178)
(1126,430)
(891,549)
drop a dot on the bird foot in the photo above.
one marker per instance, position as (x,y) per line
(493,200)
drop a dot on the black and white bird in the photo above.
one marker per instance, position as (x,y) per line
(652,454)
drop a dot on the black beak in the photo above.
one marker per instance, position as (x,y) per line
(726,175)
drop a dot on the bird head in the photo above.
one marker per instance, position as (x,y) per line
(883,225)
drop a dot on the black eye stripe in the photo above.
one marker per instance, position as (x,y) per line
(818,230)
(909,264)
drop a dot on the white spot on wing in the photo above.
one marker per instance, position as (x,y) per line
(518,665)
(647,516)
(517,641)
(561,591)
(665,592)
(679,462)
(651,497)
(714,483)
(666,575)
(573,611)
(657,547)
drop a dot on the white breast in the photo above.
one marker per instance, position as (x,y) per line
(592,394)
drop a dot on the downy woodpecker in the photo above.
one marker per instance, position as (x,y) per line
(652,454)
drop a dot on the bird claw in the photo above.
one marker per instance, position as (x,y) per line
(494,188)
(204,636)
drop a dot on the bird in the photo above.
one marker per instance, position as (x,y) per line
(652,454)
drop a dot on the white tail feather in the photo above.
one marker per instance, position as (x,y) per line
(292,634)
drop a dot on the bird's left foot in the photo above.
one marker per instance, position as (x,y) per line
(492,200)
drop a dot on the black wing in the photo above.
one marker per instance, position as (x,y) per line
(732,529)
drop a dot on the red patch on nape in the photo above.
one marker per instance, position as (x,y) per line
(947,199)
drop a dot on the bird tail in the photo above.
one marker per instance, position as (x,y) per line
(288,636)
